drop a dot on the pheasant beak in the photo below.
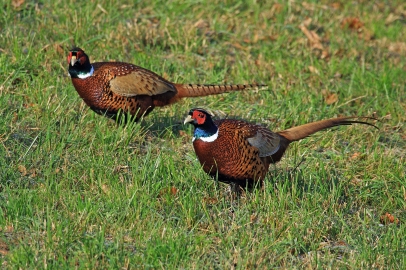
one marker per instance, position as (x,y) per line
(188,119)
(73,60)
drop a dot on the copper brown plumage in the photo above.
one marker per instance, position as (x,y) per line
(239,152)
(111,87)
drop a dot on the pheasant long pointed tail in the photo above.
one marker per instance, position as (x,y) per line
(300,132)
(198,90)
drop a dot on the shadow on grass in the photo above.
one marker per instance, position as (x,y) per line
(297,181)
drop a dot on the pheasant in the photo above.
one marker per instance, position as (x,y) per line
(109,88)
(240,153)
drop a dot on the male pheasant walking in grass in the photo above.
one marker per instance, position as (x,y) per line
(240,153)
(112,87)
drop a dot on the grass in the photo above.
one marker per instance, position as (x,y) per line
(78,191)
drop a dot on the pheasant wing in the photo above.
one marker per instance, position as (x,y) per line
(266,141)
(133,81)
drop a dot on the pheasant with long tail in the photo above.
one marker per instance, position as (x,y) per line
(112,87)
(240,153)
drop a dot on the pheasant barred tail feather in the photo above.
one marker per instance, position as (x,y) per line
(198,90)
(303,131)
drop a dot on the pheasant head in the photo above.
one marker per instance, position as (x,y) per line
(205,129)
(79,64)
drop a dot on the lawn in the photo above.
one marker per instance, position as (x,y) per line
(79,191)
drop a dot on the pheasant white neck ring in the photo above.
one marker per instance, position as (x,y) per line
(86,75)
(210,138)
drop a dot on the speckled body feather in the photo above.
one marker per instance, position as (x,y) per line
(111,87)
(232,156)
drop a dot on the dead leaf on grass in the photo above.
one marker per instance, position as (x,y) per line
(239,46)
(15,117)
(339,245)
(314,70)
(356,155)
(173,191)
(314,39)
(183,133)
(210,200)
(202,24)
(307,22)
(324,54)
(276,8)
(4,249)
(59,49)
(366,35)
(397,47)
(33,173)
(352,23)
(392,18)
(309,6)
(388,219)
(336,5)
(330,98)
(22,170)
(122,168)
(312,36)
(17,3)
(105,189)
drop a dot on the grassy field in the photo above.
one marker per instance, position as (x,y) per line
(79,191)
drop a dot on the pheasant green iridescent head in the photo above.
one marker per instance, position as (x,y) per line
(205,129)
(79,64)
